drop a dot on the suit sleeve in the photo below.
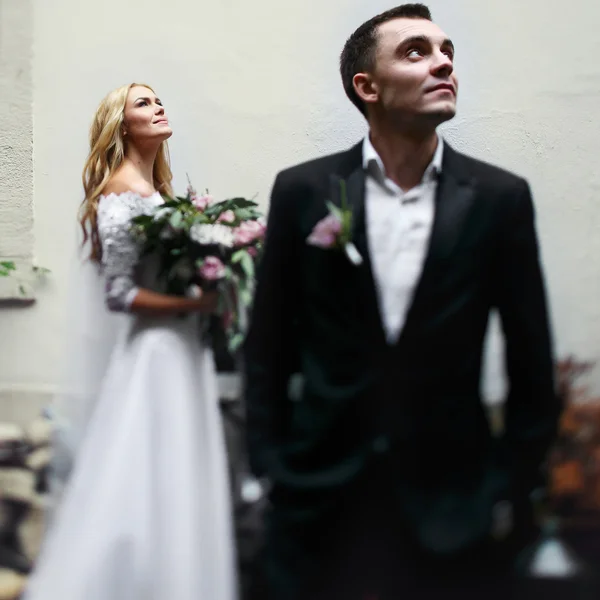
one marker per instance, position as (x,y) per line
(270,348)
(532,407)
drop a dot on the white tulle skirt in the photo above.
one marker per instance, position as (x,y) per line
(146,513)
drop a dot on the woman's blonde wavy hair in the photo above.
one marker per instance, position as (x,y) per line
(107,151)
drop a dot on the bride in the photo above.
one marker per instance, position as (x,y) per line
(145,513)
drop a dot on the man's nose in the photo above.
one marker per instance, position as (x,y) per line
(442,65)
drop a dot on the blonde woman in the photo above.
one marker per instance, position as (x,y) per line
(145,514)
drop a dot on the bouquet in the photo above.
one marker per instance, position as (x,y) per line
(206,245)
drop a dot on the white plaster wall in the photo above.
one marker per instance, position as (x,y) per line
(253,87)
(16,138)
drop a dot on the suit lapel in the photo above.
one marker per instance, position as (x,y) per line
(354,175)
(453,201)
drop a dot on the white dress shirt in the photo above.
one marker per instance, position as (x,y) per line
(398,229)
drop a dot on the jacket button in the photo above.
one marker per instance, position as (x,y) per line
(381,444)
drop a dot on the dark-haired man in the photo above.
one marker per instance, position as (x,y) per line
(386,478)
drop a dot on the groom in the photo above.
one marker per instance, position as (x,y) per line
(386,479)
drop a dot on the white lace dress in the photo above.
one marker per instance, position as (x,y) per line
(146,513)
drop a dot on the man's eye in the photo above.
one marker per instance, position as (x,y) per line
(414,52)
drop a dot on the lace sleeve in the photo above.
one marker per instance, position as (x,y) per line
(120,251)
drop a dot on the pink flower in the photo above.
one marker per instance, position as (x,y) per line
(325,232)
(247,232)
(226,217)
(201,202)
(212,269)
(253,252)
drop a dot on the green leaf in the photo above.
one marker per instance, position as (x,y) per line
(336,211)
(247,264)
(9,265)
(200,218)
(245,296)
(234,204)
(235,341)
(245,261)
(241,202)
(245,214)
(176,220)
(142,220)
(236,257)
(171,203)
(214,210)
(346,234)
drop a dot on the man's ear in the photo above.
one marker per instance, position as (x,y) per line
(365,88)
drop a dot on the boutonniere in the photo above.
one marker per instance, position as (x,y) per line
(335,230)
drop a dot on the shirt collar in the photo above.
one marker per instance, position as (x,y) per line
(372,160)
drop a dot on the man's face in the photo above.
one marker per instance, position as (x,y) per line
(413,78)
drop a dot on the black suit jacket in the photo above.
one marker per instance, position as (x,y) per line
(415,404)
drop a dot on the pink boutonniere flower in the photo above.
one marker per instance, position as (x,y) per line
(335,230)
(326,232)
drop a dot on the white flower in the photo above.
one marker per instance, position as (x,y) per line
(161,212)
(194,291)
(208,234)
(167,234)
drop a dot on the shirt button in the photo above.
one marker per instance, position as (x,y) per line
(381,444)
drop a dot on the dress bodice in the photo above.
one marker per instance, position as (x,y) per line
(123,269)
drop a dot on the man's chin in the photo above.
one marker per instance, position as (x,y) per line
(447,107)
(441,114)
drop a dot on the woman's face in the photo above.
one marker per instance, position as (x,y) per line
(145,120)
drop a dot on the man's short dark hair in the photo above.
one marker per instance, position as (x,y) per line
(360,49)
